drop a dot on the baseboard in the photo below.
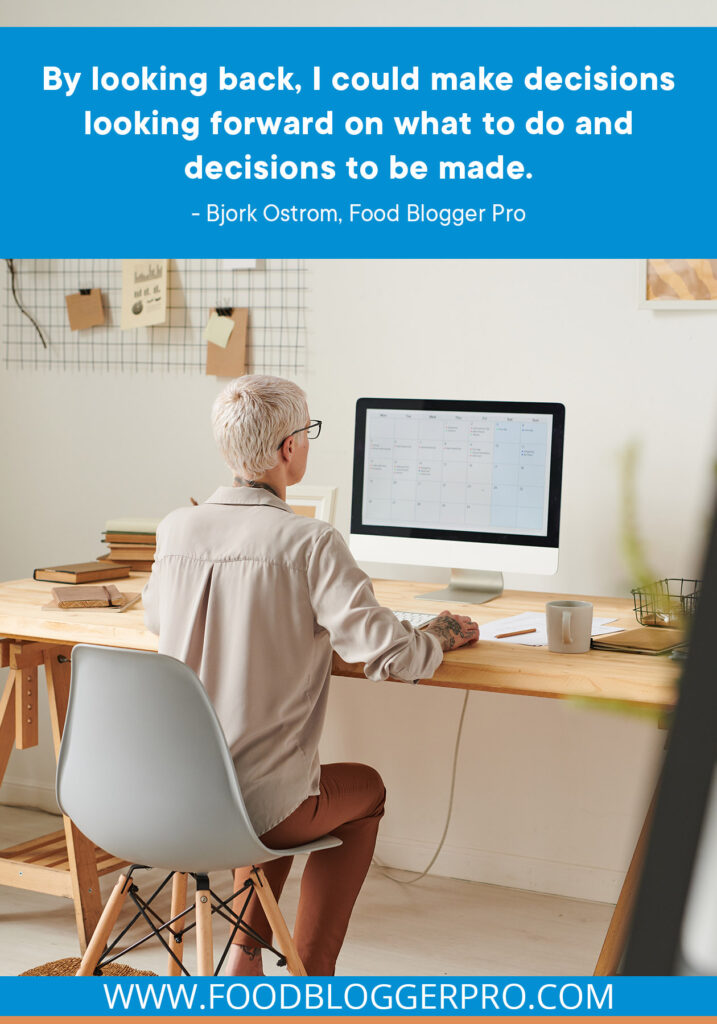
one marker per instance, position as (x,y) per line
(576,881)
(29,794)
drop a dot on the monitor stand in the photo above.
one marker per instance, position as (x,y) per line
(468,586)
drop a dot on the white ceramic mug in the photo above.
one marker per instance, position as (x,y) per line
(569,626)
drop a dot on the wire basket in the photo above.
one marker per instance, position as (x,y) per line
(666,602)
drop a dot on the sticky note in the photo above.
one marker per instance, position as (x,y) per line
(85,311)
(218,330)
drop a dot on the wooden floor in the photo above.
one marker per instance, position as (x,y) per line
(440,926)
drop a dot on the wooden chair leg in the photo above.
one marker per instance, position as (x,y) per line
(105,925)
(179,903)
(205,948)
(282,935)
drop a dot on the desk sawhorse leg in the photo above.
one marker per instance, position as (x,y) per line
(63,863)
(615,940)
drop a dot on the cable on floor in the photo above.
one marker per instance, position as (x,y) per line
(409,881)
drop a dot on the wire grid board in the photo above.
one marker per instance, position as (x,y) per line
(274,293)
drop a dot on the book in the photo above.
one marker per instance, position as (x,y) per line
(88,596)
(126,537)
(133,544)
(644,640)
(82,572)
(132,525)
(127,552)
(133,564)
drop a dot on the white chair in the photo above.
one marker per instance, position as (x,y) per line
(144,772)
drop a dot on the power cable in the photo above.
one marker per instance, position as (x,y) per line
(16,297)
(409,881)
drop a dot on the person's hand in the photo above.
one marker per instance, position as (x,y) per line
(453,630)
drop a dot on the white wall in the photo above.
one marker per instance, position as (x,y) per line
(550,795)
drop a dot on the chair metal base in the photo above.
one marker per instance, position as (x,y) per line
(172,932)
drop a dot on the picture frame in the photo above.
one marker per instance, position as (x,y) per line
(315,501)
(684,285)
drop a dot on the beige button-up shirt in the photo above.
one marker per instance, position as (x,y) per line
(254,598)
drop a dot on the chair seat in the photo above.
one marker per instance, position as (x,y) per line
(324,843)
(229,863)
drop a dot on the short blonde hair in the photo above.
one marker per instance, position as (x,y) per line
(252,416)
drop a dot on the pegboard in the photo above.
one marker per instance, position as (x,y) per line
(274,293)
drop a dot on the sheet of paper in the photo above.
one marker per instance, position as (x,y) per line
(144,293)
(603,630)
(230,361)
(239,264)
(536,621)
(85,311)
(218,330)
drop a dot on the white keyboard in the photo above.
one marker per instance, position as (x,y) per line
(415,619)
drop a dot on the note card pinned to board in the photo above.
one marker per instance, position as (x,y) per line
(84,309)
(144,293)
(229,359)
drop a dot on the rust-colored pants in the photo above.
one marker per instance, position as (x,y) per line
(349,806)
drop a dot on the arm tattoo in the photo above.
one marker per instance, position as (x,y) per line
(447,630)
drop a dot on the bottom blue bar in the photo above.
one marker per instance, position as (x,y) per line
(364,997)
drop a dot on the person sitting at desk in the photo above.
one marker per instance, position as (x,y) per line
(254,598)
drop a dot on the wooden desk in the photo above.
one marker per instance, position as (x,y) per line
(535,671)
(68,865)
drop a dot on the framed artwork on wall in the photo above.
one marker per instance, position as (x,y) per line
(312,500)
(678,284)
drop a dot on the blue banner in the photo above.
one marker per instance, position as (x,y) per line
(432,142)
(362,997)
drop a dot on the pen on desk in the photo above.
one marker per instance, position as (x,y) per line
(130,604)
(518,632)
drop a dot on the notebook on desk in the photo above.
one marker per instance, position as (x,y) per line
(644,640)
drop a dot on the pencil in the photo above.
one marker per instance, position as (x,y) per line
(518,632)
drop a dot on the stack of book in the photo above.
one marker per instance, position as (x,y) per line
(132,542)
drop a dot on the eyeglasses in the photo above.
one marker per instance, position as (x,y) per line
(314,429)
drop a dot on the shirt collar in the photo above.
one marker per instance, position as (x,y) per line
(243,495)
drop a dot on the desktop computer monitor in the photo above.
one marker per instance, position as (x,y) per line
(472,486)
